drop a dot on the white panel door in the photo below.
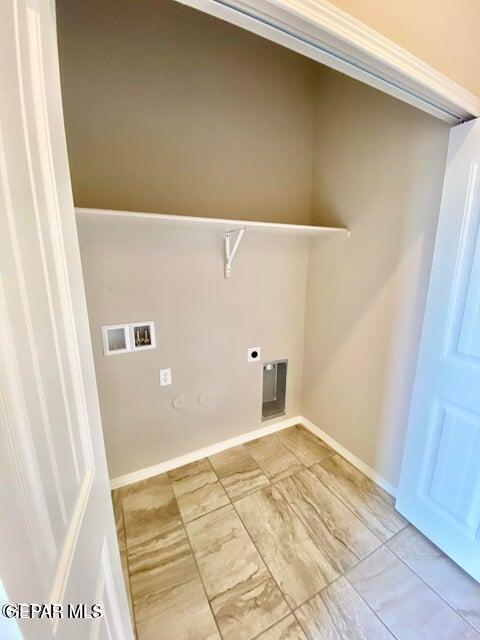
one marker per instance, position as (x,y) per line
(439,488)
(56,526)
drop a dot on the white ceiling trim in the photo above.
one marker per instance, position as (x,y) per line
(321,31)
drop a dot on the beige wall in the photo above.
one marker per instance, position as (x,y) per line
(378,170)
(441,32)
(204,325)
(170,110)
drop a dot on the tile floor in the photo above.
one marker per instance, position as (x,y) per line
(282,539)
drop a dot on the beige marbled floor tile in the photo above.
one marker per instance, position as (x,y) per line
(455,586)
(286,629)
(182,627)
(304,445)
(338,613)
(338,533)
(149,509)
(197,489)
(159,567)
(406,605)
(238,472)
(243,595)
(168,596)
(371,504)
(297,564)
(273,457)
(186,616)
(122,546)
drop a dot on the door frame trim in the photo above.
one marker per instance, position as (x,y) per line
(322,32)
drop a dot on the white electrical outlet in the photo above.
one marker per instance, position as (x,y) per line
(165,377)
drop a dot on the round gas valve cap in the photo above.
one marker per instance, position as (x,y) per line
(204,398)
(178,401)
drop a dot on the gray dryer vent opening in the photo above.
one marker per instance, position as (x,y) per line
(274,388)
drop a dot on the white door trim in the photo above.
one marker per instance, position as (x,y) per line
(54,472)
(322,32)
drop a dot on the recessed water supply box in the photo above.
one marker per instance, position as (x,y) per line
(274,388)
(115,339)
(123,338)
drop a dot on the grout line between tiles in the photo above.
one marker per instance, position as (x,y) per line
(265,473)
(264,562)
(317,593)
(311,598)
(342,499)
(248,534)
(428,585)
(195,558)
(249,493)
(253,543)
(281,440)
(355,516)
(207,513)
(341,575)
(340,496)
(271,626)
(232,500)
(278,435)
(371,609)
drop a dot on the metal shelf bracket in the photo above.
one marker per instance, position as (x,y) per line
(231,249)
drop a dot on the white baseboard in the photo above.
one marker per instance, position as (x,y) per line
(356,462)
(168,465)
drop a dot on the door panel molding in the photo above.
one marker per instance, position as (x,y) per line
(468,235)
(439,490)
(21,448)
(20,281)
(452,431)
(69,548)
(36,146)
(58,272)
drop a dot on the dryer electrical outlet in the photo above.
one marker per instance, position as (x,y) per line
(254,354)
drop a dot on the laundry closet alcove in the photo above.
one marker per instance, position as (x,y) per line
(181,128)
